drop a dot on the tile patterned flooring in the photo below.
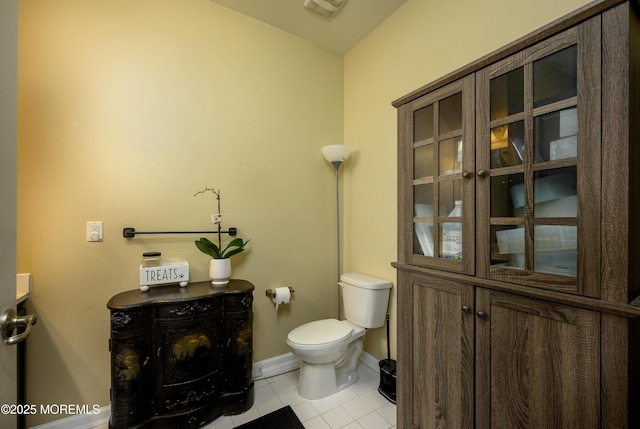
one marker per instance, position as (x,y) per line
(360,406)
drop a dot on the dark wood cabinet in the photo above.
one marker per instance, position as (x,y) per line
(437,192)
(435,353)
(538,363)
(518,294)
(180,357)
(488,359)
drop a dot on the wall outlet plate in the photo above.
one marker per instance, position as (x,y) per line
(95,230)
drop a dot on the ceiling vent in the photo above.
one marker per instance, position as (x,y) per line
(325,8)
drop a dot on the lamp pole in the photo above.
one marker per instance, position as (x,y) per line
(337,164)
(336,154)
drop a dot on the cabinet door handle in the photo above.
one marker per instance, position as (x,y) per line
(466,309)
(481,315)
(466,174)
(481,173)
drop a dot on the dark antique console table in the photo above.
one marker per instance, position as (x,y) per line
(181,357)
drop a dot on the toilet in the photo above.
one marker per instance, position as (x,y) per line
(329,349)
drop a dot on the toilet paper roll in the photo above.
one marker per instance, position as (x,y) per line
(281,296)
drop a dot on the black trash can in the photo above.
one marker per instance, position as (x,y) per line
(387,386)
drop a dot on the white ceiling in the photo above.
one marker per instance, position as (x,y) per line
(354,22)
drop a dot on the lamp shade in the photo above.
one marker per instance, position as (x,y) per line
(336,152)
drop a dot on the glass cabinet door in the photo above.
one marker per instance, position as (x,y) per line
(537,144)
(438,146)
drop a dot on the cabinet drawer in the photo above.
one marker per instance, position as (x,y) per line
(189,309)
(192,396)
(129,320)
(238,302)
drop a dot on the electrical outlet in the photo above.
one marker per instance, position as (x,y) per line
(94,230)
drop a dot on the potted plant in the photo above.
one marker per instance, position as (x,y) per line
(220,264)
(233,248)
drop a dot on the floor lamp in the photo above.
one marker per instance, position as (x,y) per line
(336,154)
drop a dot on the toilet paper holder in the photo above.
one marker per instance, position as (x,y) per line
(271,293)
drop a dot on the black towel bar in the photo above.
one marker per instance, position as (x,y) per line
(131,232)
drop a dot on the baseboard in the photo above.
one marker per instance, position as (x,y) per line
(80,421)
(288,362)
(275,366)
(371,361)
(263,369)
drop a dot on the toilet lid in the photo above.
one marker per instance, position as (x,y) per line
(320,332)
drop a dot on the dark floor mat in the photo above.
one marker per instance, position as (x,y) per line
(284,418)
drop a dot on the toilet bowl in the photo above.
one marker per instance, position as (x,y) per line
(329,349)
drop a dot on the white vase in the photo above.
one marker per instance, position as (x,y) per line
(220,271)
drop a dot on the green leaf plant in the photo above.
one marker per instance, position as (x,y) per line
(233,248)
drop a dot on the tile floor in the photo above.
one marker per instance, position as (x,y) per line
(360,406)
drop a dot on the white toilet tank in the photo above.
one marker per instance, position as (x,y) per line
(365,299)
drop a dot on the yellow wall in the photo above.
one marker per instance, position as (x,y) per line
(421,42)
(126,109)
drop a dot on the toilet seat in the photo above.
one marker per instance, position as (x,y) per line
(320,333)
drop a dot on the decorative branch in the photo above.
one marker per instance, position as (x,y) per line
(207,189)
(217,194)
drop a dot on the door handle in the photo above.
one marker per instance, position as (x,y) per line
(10,322)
